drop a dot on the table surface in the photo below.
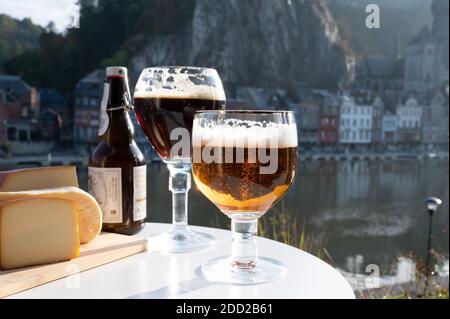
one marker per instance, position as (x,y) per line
(156,275)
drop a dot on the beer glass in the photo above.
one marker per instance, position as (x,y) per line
(166,99)
(244,162)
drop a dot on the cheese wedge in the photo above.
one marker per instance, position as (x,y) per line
(38,231)
(88,211)
(38,178)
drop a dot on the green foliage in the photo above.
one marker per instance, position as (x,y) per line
(110,33)
(120,58)
(17,36)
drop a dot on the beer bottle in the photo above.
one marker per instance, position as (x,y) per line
(117,174)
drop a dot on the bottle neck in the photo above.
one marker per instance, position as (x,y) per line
(120,130)
(119,93)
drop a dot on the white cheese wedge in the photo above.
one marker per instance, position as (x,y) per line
(38,231)
(38,178)
(88,211)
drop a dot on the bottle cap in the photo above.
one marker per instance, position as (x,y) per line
(118,71)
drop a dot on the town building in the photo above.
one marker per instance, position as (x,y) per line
(262,98)
(409,122)
(329,119)
(427,55)
(379,73)
(435,121)
(19,109)
(55,113)
(389,127)
(355,123)
(87,98)
(307,114)
(50,126)
(377,122)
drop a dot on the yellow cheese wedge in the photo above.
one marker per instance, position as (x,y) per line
(38,231)
(38,178)
(88,211)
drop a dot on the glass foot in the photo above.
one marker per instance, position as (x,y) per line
(180,240)
(223,270)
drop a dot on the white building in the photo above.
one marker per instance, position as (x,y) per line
(355,123)
(409,121)
(409,114)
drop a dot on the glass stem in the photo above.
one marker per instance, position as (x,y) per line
(244,252)
(179,185)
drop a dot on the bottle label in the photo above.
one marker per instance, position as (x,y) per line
(105,184)
(103,117)
(140,192)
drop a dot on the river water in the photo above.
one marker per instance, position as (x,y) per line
(364,212)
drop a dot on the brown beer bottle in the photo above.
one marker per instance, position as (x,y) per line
(117,171)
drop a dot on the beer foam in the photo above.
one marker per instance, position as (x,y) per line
(243,133)
(180,83)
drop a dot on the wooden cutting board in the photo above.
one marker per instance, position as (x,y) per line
(104,249)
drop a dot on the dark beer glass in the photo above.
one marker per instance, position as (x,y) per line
(166,99)
(244,162)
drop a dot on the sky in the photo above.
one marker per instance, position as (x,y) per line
(40,11)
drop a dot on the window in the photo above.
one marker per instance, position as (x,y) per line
(355,122)
(367,122)
(85,101)
(361,122)
(93,102)
(353,135)
(361,135)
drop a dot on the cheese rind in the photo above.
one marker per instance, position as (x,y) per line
(88,211)
(38,231)
(38,178)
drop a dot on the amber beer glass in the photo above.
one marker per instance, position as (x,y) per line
(166,99)
(244,162)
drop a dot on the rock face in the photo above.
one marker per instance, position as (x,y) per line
(269,43)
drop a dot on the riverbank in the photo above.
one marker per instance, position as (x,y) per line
(76,159)
(371,156)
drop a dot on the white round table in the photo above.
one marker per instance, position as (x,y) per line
(155,275)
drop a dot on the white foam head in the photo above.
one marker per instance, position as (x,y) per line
(180,83)
(243,133)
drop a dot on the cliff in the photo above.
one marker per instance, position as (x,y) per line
(280,43)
